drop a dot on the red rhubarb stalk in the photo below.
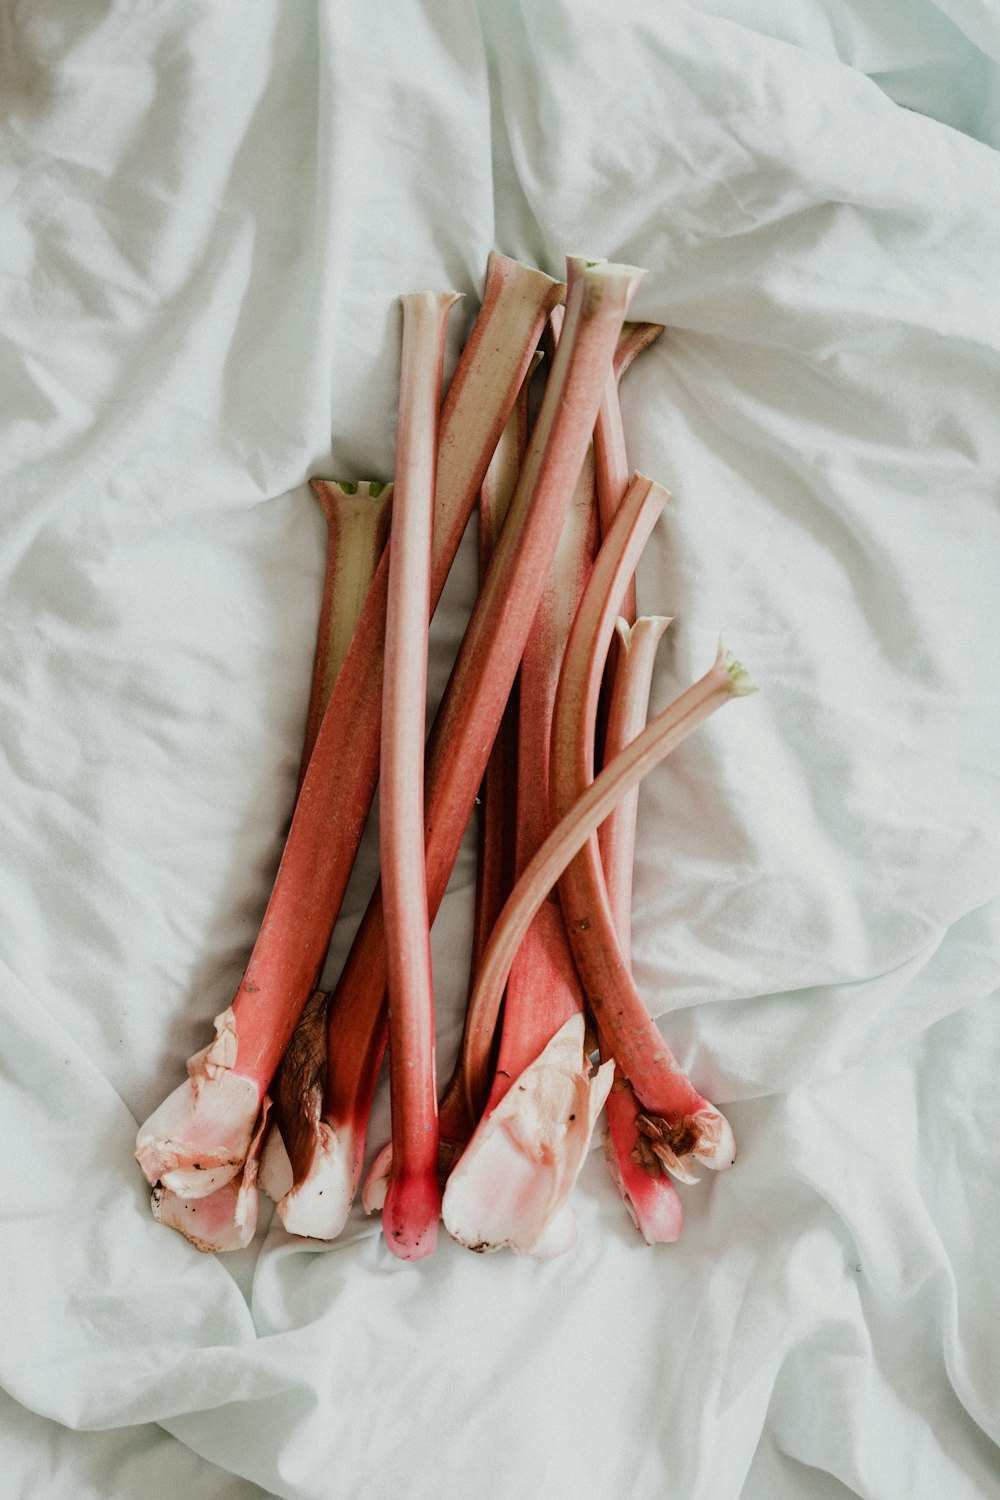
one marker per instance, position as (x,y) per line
(724,680)
(480,683)
(357,519)
(412,1206)
(200,1134)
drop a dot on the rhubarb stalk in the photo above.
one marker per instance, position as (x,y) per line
(410,1215)
(200,1134)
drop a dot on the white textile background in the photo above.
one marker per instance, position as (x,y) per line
(208,213)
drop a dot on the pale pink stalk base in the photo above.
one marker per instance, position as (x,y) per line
(227,1218)
(339,784)
(652,1201)
(357,519)
(726,679)
(412,1205)
(646,1190)
(516,1175)
(197,1139)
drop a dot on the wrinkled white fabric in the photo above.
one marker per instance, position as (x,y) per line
(208,213)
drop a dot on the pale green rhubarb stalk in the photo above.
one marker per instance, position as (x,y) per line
(357,520)
(468,717)
(412,1204)
(724,680)
(515,1176)
(198,1138)
(647,1191)
(681,1124)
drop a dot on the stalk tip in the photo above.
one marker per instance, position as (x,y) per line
(741,683)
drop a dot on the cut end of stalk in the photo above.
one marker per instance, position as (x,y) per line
(594,272)
(741,683)
(316,1208)
(515,1176)
(325,489)
(410,1215)
(198,1138)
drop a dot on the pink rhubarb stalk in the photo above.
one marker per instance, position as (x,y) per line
(646,1190)
(681,1124)
(480,683)
(725,679)
(357,519)
(200,1134)
(412,1205)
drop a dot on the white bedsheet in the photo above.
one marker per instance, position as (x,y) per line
(208,212)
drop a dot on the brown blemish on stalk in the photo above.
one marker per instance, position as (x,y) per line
(643,1155)
(679,1137)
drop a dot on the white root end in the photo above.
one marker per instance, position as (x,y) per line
(198,1138)
(223,1220)
(318,1208)
(376,1188)
(557,1238)
(511,1184)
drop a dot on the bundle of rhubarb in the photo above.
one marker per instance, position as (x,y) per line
(542,733)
